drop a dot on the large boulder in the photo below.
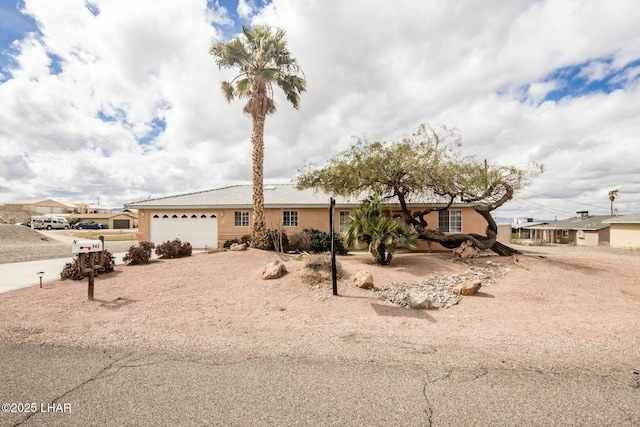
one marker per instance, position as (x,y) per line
(273,270)
(469,287)
(466,250)
(419,300)
(363,279)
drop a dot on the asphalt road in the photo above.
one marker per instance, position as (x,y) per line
(87,387)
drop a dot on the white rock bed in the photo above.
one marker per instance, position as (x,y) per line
(439,288)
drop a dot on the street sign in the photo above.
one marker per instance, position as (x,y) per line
(86,246)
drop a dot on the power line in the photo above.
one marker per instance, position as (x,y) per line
(566,200)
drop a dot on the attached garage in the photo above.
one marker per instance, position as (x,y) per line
(625,231)
(199,229)
(120,224)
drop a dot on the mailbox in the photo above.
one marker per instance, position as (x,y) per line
(86,246)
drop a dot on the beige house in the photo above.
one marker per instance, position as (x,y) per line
(625,231)
(90,208)
(209,218)
(113,220)
(43,206)
(581,230)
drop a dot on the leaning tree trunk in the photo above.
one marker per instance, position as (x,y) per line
(452,241)
(259,237)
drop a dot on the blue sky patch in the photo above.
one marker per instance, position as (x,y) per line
(158,126)
(599,75)
(93,8)
(56,64)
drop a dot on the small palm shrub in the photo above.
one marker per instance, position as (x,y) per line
(174,249)
(139,254)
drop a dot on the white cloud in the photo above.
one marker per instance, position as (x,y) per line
(246,8)
(373,68)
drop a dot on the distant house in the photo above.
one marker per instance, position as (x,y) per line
(625,231)
(581,230)
(521,228)
(209,218)
(43,206)
(113,220)
(90,208)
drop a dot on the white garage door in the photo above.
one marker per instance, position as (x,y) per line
(200,230)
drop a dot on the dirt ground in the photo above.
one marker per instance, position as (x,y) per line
(568,309)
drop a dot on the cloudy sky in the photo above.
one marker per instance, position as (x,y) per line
(116,100)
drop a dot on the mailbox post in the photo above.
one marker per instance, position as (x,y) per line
(82,248)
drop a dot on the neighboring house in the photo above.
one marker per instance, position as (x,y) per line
(209,218)
(43,206)
(521,228)
(90,208)
(581,230)
(113,220)
(625,231)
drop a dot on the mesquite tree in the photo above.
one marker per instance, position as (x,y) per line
(429,163)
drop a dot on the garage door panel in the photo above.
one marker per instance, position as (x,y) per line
(198,229)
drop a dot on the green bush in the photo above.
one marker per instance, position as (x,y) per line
(320,241)
(139,254)
(228,243)
(174,249)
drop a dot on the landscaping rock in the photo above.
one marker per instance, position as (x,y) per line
(363,279)
(439,289)
(273,270)
(469,287)
(238,247)
(466,251)
(419,300)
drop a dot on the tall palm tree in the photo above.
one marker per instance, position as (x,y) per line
(262,58)
(612,196)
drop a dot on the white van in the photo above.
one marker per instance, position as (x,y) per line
(49,223)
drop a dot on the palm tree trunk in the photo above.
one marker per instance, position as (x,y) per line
(259,238)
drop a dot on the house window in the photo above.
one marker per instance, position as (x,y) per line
(450,221)
(565,234)
(241,218)
(344,217)
(289,218)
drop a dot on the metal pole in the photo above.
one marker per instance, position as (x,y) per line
(334,272)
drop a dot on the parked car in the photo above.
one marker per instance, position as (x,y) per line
(87,226)
(49,223)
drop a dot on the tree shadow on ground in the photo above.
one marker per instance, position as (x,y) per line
(395,311)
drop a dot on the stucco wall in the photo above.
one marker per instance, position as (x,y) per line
(317,218)
(625,236)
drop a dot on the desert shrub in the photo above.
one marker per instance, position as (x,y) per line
(174,249)
(245,239)
(228,243)
(71,270)
(139,254)
(318,270)
(299,242)
(278,240)
(320,241)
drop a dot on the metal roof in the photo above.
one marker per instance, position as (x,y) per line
(624,219)
(278,195)
(592,222)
